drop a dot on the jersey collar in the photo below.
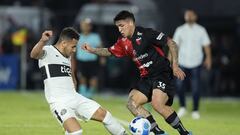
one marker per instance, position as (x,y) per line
(134,33)
(59,51)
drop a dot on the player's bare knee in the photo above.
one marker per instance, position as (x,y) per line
(103,114)
(154,105)
(159,107)
(71,125)
(99,115)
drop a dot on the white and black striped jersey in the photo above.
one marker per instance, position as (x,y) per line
(56,73)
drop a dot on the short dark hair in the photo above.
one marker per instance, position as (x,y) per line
(124,14)
(68,33)
(190,9)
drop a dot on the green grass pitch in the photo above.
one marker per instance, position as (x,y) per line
(27,113)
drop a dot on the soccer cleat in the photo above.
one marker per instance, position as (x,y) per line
(195,115)
(182,112)
(190,133)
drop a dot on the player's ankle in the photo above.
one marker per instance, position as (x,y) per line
(158,131)
(155,128)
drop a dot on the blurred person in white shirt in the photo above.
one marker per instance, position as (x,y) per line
(193,41)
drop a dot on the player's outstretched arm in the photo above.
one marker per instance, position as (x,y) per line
(174,53)
(98,51)
(37,51)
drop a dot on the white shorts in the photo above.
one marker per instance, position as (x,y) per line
(78,107)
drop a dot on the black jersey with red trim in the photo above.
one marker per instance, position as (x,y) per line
(145,48)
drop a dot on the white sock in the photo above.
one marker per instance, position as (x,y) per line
(112,125)
(79,132)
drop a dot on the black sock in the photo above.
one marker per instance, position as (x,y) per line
(154,126)
(176,123)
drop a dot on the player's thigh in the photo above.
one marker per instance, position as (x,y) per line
(159,98)
(141,92)
(163,89)
(137,97)
(65,116)
(85,108)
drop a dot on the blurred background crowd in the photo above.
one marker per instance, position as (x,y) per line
(23,21)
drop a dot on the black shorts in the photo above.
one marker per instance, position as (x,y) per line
(87,69)
(163,82)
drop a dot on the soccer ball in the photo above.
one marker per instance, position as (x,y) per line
(140,126)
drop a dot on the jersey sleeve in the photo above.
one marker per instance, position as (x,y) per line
(177,36)
(157,38)
(45,52)
(117,49)
(205,38)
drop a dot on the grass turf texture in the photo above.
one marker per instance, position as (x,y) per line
(27,113)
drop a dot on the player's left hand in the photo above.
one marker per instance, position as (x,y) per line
(208,63)
(178,72)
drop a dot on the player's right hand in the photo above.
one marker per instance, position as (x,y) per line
(177,71)
(87,48)
(46,35)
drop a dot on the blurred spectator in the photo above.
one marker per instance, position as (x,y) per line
(192,38)
(87,64)
(7,44)
(14,37)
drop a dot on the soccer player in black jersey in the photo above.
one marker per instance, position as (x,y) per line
(144,47)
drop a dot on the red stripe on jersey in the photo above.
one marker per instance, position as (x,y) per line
(143,71)
(124,47)
(117,49)
(159,50)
